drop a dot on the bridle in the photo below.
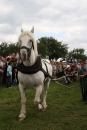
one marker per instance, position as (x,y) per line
(28,49)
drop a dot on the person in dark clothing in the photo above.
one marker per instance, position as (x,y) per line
(5,72)
(15,73)
(74,72)
(67,75)
(83,80)
(1,72)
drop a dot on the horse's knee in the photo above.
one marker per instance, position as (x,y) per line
(23,100)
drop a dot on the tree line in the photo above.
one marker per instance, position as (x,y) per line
(47,46)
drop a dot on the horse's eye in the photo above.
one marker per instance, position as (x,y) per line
(30,43)
(30,40)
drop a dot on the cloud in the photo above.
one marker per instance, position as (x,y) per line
(65,21)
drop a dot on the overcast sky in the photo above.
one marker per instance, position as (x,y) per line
(64,20)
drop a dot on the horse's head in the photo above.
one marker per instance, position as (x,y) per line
(28,45)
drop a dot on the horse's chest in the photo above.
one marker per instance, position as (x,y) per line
(31,80)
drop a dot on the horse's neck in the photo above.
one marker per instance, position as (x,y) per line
(31,60)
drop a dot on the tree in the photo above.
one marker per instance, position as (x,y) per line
(51,47)
(3,48)
(78,53)
(13,48)
(6,48)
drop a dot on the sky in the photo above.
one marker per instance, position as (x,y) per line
(64,20)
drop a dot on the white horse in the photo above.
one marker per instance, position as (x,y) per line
(32,72)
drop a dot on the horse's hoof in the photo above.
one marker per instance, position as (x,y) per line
(40,107)
(21,118)
(44,109)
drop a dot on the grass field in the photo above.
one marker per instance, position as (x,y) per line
(65,111)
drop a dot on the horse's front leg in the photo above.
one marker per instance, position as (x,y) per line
(22,115)
(37,96)
(45,89)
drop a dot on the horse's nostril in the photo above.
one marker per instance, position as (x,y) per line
(23,52)
(24,55)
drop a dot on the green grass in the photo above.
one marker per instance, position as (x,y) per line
(65,109)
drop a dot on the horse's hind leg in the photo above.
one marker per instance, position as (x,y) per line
(37,96)
(45,89)
(22,115)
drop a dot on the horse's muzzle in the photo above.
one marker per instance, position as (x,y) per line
(23,54)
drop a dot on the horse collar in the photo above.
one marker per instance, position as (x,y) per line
(31,69)
(34,68)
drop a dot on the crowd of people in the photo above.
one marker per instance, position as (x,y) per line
(67,71)
(8,70)
(72,72)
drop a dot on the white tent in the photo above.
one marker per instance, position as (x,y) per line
(59,59)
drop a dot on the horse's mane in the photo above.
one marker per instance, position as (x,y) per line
(30,34)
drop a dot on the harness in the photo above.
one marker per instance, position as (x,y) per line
(37,66)
(28,49)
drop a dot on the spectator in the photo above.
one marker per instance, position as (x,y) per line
(54,68)
(15,72)
(61,69)
(12,56)
(75,72)
(9,74)
(67,75)
(4,70)
(83,80)
(15,77)
(79,68)
(1,70)
(5,77)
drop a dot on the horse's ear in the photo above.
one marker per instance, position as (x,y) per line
(21,30)
(32,30)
